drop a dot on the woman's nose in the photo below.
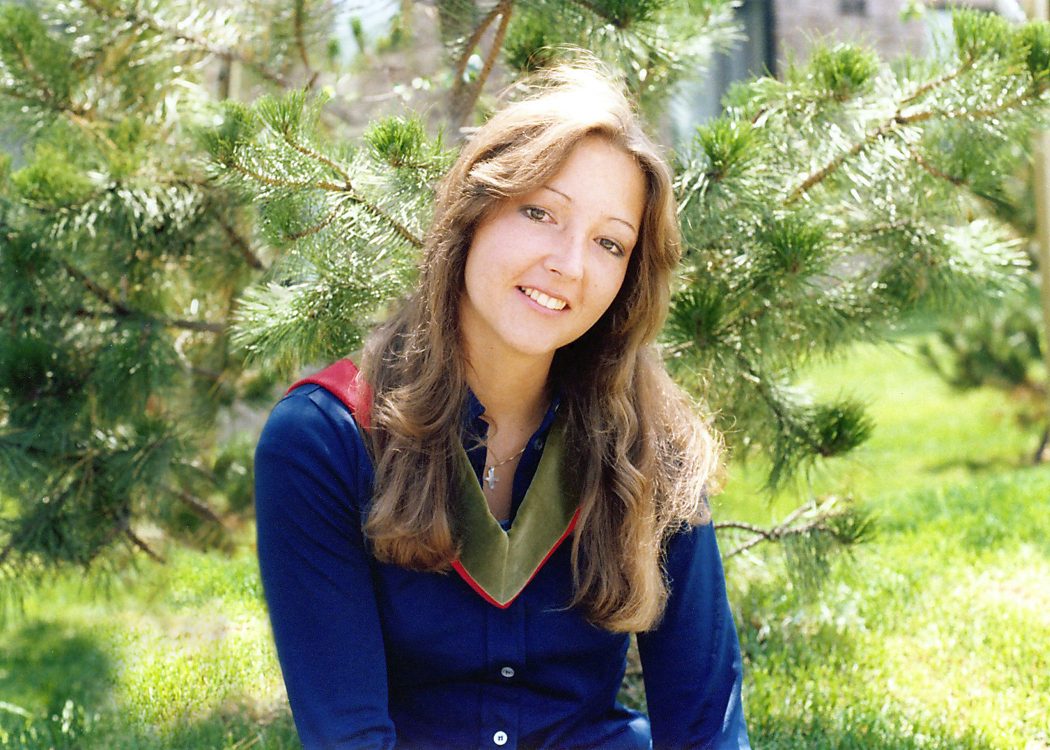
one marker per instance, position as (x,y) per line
(567,257)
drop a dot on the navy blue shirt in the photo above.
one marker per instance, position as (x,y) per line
(376,656)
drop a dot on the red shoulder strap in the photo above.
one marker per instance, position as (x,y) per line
(343,380)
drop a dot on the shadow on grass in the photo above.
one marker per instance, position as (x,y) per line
(787,631)
(56,693)
(979,466)
(53,680)
(866,731)
(781,651)
(43,665)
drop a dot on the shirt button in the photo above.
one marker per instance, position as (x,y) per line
(507,672)
(537,444)
(500,738)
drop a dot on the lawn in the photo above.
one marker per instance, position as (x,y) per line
(935,634)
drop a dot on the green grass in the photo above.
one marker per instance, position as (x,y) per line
(936,633)
(160,657)
(933,635)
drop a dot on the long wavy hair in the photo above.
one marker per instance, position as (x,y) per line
(643,454)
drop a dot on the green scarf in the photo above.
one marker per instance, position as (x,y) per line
(498,564)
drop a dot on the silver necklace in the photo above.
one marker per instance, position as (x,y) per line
(490,469)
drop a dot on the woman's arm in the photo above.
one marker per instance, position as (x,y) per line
(691,661)
(309,467)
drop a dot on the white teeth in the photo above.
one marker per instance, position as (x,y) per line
(540,298)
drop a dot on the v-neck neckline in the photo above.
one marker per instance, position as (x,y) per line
(498,564)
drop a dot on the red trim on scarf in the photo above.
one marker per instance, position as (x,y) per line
(486,596)
(343,380)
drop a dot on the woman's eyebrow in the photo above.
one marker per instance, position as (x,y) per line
(628,224)
(555,190)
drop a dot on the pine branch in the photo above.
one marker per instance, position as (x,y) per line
(605,16)
(16,94)
(98,290)
(468,48)
(111,51)
(891,124)
(404,232)
(121,310)
(39,80)
(300,42)
(201,326)
(347,189)
(198,506)
(872,231)
(785,424)
(198,470)
(833,165)
(938,82)
(318,227)
(828,519)
(290,184)
(495,47)
(239,242)
(43,102)
(87,124)
(317,156)
(751,374)
(589,6)
(75,467)
(464,100)
(780,531)
(137,541)
(82,117)
(1029,96)
(934,172)
(79,116)
(145,20)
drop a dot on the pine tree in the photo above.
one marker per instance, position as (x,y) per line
(997,341)
(166,255)
(823,207)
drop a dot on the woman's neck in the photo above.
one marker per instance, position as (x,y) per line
(512,393)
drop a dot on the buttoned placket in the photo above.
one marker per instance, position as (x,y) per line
(505,660)
(505,628)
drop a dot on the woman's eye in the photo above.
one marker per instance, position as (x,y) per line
(612,246)
(534,213)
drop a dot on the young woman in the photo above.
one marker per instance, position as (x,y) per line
(457,541)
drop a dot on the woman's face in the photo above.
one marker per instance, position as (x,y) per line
(542,268)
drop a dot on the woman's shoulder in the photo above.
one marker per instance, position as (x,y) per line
(313,478)
(311,425)
(309,406)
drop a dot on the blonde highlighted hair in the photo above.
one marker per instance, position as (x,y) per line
(643,454)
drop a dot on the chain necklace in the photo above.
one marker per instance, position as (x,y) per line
(490,469)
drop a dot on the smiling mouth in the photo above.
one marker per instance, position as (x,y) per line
(551,303)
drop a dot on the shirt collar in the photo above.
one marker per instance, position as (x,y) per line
(473,424)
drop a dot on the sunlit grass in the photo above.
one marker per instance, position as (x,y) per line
(935,634)
(926,434)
